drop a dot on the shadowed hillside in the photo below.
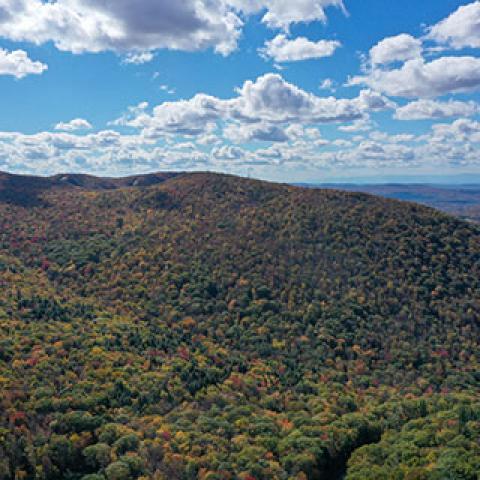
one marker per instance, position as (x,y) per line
(212,327)
(25,190)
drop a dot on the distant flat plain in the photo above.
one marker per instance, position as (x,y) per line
(460,200)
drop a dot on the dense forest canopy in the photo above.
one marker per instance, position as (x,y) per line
(202,326)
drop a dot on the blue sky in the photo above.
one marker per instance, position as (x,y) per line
(313,90)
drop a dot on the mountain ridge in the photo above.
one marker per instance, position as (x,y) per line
(26,189)
(216,327)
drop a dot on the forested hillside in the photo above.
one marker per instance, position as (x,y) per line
(209,327)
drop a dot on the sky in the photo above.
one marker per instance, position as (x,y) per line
(304,91)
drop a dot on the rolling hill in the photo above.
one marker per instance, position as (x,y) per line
(184,326)
(26,190)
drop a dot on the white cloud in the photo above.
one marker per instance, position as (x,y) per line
(262,132)
(461,130)
(98,25)
(417,78)
(184,117)
(362,125)
(130,115)
(228,152)
(369,149)
(267,101)
(271,98)
(138,58)
(113,25)
(73,125)
(386,138)
(199,132)
(374,101)
(282,13)
(208,139)
(461,29)
(430,109)
(396,49)
(109,152)
(47,152)
(18,64)
(282,49)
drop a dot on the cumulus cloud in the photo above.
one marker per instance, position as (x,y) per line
(107,152)
(228,152)
(418,78)
(98,25)
(18,64)
(259,106)
(370,149)
(461,130)
(206,131)
(271,98)
(282,49)
(282,13)
(386,138)
(430,109)
(73,125)
(208,139)
(396,49)
(459,30)
(374,101)
(46,151)
(184,117)
(256,132)
(362,125)
(113,25)
(396,66)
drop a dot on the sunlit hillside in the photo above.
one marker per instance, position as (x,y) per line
(214,327)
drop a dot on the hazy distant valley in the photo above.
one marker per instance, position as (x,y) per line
(462,201)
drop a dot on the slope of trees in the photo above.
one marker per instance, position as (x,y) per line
(213,327)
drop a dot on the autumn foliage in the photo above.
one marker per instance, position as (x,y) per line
(211,327)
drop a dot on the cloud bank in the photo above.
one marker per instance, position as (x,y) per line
(80,26)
